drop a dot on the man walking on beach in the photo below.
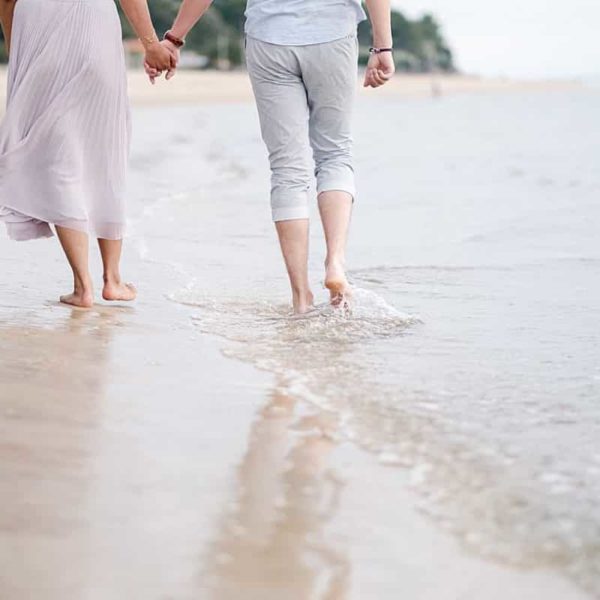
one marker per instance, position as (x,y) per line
(302,60)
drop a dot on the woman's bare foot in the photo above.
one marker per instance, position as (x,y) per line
(303,302)
(82,297)
(117,291)
(336,282)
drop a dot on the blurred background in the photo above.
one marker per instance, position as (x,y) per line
(534,39)
(217,41)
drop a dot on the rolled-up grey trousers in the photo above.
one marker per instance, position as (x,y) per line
(305,97)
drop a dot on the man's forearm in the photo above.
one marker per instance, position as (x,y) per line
(380,15)
(189,14)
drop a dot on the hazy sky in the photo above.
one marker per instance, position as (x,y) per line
(523,38)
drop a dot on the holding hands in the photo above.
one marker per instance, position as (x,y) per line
(160,57)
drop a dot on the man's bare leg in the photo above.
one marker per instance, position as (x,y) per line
(114,287)
(76,247)
(336,210)
(293,238)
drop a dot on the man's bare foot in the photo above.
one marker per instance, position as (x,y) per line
(81,298)
(117,291)
(337,283)
(303,302)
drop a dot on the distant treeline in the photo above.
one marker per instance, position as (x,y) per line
(420,44)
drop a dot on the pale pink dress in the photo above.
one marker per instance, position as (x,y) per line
(64,140)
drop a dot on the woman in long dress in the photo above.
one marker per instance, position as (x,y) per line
(65,137)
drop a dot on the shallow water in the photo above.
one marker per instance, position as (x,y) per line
(471,355)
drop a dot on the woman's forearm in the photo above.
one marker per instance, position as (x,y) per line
(138,14)
(381,22)
(7,9)
(189,14)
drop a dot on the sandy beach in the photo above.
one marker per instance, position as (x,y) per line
(193,87)
(160,451)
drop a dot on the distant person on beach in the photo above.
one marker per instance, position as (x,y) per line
(64,140)
(302,59)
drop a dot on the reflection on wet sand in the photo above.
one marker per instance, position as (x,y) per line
(52,386)
(272,543)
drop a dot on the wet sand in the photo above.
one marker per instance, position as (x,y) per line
(138,461)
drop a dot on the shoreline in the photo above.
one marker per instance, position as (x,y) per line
(206,87)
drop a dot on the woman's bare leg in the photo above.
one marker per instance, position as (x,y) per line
(114,287)
(76,247)
(336,210)
(293,238)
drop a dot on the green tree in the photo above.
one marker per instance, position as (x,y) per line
(419,44)
(217,35)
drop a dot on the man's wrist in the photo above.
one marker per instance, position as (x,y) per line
(178,32)
(383,41)
(177,41)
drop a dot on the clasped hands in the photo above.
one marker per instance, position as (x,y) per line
(160,57)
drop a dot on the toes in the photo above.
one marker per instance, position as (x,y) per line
(132,291)
(338,300)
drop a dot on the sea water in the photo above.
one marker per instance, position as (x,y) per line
(471,354)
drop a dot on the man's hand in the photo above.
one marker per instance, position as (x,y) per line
(161,56)
(380,69)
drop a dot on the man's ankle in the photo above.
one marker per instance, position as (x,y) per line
(301,291)
(335,259)
(112,278)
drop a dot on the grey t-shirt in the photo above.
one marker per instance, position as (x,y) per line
(302,22)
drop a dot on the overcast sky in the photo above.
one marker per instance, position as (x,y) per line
(519,38)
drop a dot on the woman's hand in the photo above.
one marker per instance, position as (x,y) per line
(153,71)
(158,57)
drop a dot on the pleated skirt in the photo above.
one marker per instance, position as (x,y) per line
(64,140)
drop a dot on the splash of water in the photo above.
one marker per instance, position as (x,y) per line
(332,358)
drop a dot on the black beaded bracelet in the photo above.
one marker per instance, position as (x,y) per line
(177,42)
(380,50)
